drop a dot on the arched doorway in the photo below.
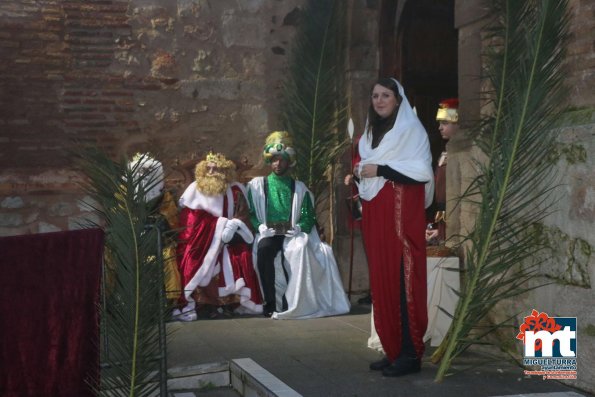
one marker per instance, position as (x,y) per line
(418,45)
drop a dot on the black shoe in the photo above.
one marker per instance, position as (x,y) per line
(380,364)
(227,311)
(366,300)
(268,310)
(402,366)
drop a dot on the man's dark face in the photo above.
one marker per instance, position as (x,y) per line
(279,165)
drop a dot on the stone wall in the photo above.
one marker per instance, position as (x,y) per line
(174,77)
(362,70)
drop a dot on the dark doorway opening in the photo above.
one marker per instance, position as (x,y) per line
(418,46)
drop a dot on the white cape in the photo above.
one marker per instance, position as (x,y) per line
(314,288)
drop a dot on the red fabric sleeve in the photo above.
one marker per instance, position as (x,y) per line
(196,236)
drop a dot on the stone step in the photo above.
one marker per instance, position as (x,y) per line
(241,376)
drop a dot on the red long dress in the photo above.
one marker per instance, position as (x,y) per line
(394,232)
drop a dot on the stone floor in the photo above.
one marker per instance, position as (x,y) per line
(329,357)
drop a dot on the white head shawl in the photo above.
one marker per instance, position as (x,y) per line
(149,173)
(404,148)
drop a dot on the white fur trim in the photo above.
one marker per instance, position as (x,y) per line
(195,200)
(244,232)
(227,275)
(208,269)
(249,307)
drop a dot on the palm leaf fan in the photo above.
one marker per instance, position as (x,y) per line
(133,304)
(513,189)
(313,101)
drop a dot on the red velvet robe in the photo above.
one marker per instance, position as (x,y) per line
(394,232)
(201,261)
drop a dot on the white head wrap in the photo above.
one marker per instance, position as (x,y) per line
(150,173)
(404,148)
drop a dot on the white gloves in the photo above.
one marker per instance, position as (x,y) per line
(270,232)
(228,233)
(266,231)
(293,231)
(230,229)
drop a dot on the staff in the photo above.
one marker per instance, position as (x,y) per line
(350,129)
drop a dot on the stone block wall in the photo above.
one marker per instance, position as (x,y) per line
(173,77)
(581,53)
(362,70)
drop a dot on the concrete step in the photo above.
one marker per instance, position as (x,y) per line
(239,377)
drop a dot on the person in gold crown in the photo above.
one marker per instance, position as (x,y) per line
(298,272)
(448,117)
(214,254)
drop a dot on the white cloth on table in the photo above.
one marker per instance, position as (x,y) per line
(443,281)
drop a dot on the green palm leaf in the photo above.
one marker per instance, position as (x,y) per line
(313,102)
(513,190)
(132,301)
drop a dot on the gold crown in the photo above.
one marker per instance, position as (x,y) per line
(219,160)
(216,158)
(447,110)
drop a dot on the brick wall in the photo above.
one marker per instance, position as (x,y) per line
(57,86)
(175,78)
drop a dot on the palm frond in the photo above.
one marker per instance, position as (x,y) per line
(513,189)
(133,301)
(313,104)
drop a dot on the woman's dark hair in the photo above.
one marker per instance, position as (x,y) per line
(379,126)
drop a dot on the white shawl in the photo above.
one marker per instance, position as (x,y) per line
(405,148)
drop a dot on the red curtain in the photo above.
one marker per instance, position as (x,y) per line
(49,318)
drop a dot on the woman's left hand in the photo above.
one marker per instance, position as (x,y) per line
(369,171)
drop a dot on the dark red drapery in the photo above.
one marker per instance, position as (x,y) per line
(49,318)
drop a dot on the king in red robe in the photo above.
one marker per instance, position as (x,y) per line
(214,253)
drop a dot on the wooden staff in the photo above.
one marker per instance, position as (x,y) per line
(350,129)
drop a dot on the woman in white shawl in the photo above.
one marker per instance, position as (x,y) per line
(393,173)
